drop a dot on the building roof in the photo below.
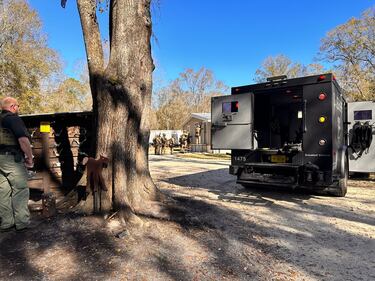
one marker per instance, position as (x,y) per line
(200,116)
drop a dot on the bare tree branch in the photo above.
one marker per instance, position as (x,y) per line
(91,33)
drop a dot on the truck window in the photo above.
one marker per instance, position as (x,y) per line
(363,115)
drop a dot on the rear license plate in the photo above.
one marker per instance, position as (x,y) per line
(278,158)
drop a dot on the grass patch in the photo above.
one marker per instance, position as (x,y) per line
(198,155)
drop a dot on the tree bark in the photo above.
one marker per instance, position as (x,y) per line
(122,98)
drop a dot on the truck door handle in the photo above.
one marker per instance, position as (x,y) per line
(222,124)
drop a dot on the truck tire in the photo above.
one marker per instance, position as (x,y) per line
(343,183)
(342,187)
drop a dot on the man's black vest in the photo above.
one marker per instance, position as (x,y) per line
(7,138)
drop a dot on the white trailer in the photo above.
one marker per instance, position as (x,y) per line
(361,118)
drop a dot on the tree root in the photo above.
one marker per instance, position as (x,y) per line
(150,204)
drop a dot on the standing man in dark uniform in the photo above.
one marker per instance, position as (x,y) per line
(15,157)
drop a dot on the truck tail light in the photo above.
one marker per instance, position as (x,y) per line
(321,78)
(322,119)
(322,96)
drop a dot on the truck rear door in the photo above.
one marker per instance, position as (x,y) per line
(232,122)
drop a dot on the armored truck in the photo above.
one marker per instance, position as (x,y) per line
(286,133)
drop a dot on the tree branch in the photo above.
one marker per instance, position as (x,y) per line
(91,35)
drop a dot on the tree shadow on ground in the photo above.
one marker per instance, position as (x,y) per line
(68,242)
(241,244)
(224,186)
(226,233)
(223,261)
(220,181)
(295,223)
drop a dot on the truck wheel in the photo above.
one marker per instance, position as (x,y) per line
(342,188)
(343,183)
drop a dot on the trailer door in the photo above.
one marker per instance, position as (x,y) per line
(232,122)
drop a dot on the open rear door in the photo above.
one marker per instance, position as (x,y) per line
(232,122)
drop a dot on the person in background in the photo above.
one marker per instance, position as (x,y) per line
(197,133)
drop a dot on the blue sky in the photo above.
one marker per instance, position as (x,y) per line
(231,38)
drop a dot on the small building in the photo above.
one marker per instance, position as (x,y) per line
(200,138)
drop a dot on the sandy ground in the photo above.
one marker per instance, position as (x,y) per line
(221,232)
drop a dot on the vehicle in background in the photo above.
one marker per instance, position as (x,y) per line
(285,132)
(361,116)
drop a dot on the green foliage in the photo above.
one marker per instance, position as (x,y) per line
(25,59)
(351,46)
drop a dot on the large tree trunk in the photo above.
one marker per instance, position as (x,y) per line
(122,99)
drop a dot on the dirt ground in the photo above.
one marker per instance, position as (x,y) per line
(223,232)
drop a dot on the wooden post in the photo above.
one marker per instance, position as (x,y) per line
(48,200)
(45,161)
